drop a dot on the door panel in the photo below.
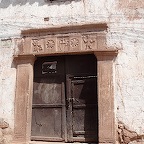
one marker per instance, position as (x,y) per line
(84,109)
(46,122)
(84,90)
(47,91)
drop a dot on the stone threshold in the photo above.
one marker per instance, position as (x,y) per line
(41,142)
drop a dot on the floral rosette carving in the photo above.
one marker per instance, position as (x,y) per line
(50,44)
(74,42)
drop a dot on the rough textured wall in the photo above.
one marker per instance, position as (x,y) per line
(7,90)
(125,20)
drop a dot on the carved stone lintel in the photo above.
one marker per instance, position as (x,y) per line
(63,43)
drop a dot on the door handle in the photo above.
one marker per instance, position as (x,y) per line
(73,100)
(69,100)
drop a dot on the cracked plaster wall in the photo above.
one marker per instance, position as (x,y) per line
(125,21)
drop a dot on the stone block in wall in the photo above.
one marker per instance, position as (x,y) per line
(3,124)
(4,138)
(1,136)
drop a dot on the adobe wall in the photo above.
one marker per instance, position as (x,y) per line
(125,22)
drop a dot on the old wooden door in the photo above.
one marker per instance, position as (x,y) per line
(48,113)
(65,99)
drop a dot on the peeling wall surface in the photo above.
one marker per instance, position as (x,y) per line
(125,20)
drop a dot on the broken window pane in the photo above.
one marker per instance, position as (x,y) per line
(49,67)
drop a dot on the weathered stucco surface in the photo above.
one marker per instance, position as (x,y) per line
(125,20)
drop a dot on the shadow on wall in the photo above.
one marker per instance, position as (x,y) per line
(7,3)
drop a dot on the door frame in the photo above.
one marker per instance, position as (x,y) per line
(24,61)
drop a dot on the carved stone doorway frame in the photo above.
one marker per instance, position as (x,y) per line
(78,39)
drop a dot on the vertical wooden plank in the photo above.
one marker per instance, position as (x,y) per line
(69,109)
(64,125)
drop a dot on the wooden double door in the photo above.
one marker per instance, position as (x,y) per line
(65,99)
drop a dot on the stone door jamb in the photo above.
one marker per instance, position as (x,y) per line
(23,99)
(105,73)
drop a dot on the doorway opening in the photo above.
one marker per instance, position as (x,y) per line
(65,103)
